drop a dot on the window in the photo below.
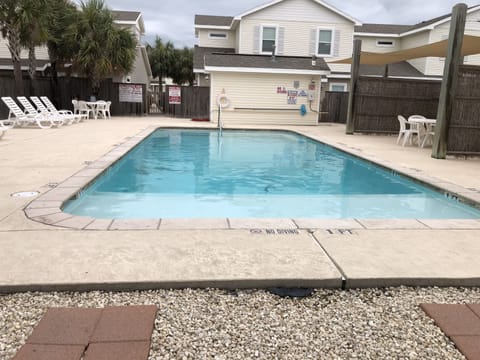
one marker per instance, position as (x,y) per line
(269,36)
(325,42)
(338,87)
(385,43)
(217,35)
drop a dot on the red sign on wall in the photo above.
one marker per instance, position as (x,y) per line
(174,95)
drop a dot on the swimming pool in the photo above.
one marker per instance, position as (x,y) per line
(185,173)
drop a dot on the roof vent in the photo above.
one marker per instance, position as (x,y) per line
(273,54)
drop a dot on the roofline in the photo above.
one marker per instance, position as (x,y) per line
(439,22)
(266,70)
(320,2)
(216,27)
(376,34)
(138,20)
(411,32)
(25,67)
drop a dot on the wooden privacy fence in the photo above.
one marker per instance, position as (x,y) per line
(67,88)
(195,103)
(464,129)
(378,102)
(334,107)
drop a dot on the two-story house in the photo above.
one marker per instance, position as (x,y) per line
(232,56)
(266,65)
(133,20)
(387,38)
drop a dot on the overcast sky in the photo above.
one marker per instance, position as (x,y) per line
(174,19)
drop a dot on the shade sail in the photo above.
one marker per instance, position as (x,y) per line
(471,46)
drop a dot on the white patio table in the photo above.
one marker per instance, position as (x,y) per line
(94,106)
(428,126)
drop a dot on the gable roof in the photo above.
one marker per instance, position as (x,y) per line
(319,2)
(402,30)
(229,21)
(210,20)
(129,17)
(125,15)
(264,64)
(382,28)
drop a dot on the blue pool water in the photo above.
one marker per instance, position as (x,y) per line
(179,173)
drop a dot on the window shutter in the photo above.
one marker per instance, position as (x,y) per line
(256,40)
(313,42)
(336,45)
(281,41)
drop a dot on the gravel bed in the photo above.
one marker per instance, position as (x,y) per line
(256,324)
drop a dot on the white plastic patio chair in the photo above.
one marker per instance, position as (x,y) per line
(5,125)
(29,109)
(103,109)
(416,128)
(84,109)
(40,120)
(404,130)
(107,110)
(53,109)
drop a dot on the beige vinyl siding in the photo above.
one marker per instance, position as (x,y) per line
(413,41)
(435,65)
(245,90)
(370,44)
(41,52)
(298,18)
(205,41)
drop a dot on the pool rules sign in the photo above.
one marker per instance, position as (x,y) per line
(174,95)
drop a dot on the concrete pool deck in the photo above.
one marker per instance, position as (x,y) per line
(83,254)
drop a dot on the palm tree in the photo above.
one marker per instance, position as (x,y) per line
(33,32)
(62,28)
(10,27)
(161,57)
(182,69)
(62,33)
(104,49)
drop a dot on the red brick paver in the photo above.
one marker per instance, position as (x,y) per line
(459,322)
(125,323)
(111,333)
(137,350)
(50,352)
(66,326)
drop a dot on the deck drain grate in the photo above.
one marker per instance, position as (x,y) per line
(25,194)
(52,185)
(339,231)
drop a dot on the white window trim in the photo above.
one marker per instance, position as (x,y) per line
(318,40)
(217,37)
(331,85)
(261,38)
(385,45)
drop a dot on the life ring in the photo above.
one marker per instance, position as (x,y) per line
(222,101)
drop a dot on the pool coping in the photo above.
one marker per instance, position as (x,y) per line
(47,207)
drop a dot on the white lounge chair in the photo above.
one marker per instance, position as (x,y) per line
(53,109)
(40,120)
(4,126)
(29,109)
(67,119)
